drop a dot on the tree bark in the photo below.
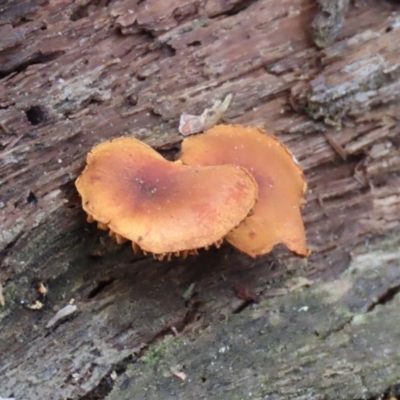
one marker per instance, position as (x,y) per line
(76,73)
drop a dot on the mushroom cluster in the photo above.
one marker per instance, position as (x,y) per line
(231,182)
(162,207)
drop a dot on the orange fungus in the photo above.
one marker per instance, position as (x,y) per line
(163,207)
(276,216)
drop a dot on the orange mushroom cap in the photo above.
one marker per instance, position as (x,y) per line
(163,207)
(276,217)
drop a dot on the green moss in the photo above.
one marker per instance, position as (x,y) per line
(156,353)
(360,319)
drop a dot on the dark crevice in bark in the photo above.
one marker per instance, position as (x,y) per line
(8,248)
(105,386)
(236,9)
(101,285)
(31,198)
(83,10)
(39,58)
(35,115)
(340,327)
(166,49)
(385,297)
(248,296)
(242,5)
(242,306)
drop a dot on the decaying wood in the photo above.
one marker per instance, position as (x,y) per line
(75,73)
(319,343)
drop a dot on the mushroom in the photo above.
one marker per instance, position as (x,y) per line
(165,208)
(276,216)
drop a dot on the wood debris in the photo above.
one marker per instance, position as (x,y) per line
(42,289)
(113,375)
(2,302)
(37,305)
(189,292)
(174,331)
(64,312)
(180,375)
(190,124)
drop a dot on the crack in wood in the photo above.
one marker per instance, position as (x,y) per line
(237,7)
(38,58)
(105,386)
(101,285)
(83,10)
(386,297)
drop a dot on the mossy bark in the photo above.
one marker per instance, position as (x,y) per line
(324,342)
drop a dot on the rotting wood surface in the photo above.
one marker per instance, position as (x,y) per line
(76,73)
(319,343)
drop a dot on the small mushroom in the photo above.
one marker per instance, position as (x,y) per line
(165,208)
(276,217)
